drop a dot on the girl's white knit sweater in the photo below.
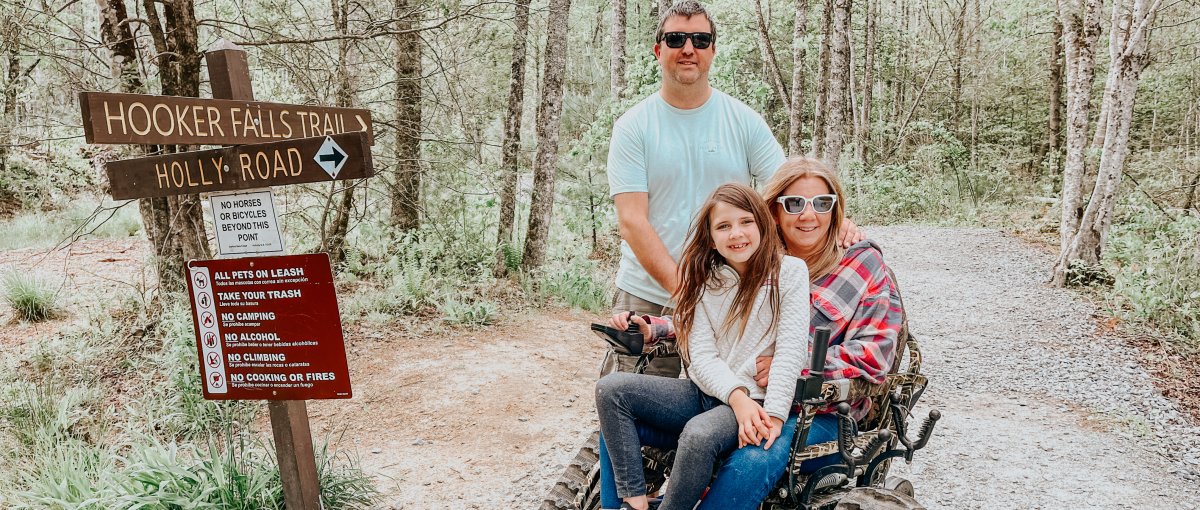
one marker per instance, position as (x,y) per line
(722,362)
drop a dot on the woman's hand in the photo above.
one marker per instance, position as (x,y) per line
(753,421)
(776,429)
(621,321)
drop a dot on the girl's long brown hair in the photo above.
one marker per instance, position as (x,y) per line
(793,170)
(700,262)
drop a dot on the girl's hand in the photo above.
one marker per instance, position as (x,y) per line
(773,434)
(752,419)
(621,321)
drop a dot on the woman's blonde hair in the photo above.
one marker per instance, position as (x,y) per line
(699,264)
(830,253)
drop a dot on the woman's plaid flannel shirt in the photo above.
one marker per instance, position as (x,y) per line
(860,304)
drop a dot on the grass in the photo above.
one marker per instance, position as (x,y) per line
(579,283)
(32,297)
(477,313)
(83,218)
(71,435)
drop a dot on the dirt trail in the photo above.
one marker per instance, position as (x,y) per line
(1040,411)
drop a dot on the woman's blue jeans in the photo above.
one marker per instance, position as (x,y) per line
(746,477)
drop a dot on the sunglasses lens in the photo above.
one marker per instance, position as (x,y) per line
(794,205)
(701,40)
(823,203)
(675,39)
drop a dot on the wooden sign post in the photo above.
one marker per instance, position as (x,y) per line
(230,76)
(251,346)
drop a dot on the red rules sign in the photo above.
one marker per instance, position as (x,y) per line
(268,328)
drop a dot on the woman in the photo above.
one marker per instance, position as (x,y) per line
(738,298)
(852,294)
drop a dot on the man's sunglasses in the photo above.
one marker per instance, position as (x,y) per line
(821,204)
(700,40)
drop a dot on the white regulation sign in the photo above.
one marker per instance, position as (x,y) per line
(246,224)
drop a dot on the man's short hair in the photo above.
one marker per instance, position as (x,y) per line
(687,9)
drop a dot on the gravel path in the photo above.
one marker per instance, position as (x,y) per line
(1039,410)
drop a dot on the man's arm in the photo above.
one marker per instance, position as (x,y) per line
(633,214)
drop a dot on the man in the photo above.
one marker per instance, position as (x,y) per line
(668,153)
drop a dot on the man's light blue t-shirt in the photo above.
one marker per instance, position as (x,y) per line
(679,157)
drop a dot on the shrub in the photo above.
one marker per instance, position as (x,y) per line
(578,283)
(1157,270)
(31,297)
(478,313)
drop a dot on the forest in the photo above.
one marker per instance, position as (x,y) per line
(1071,125)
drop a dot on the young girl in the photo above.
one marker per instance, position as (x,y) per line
(739,297)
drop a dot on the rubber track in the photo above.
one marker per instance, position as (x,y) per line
(576,478)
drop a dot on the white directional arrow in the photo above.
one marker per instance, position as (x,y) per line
(331,157)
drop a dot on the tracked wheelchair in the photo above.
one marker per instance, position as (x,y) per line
(865,448)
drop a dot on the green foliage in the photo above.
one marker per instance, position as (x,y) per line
(38,415)
(477,313)
(577,283)
(170,450)
(32,297)
(1157,270)
(179,407)
(43,174)
(83,218)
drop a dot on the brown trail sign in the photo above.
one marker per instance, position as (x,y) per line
(267,328)
(247,337)
(170,120)
(243,167)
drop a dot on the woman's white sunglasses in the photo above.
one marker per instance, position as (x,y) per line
(795,204)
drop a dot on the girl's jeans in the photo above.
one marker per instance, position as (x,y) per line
(706,429)
(746,477)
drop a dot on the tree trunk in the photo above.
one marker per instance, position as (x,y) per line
(176,223)
(1054,124)
(870,44)
(839,65)
(549,116)
(1189,151)
(956,63)
(1131,33)
(774,75)
(617,59)
(796,110)
(1081,29)
(11,46)
(820,110)
(406,194)
(334,240)
(118,38)
(511,143)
